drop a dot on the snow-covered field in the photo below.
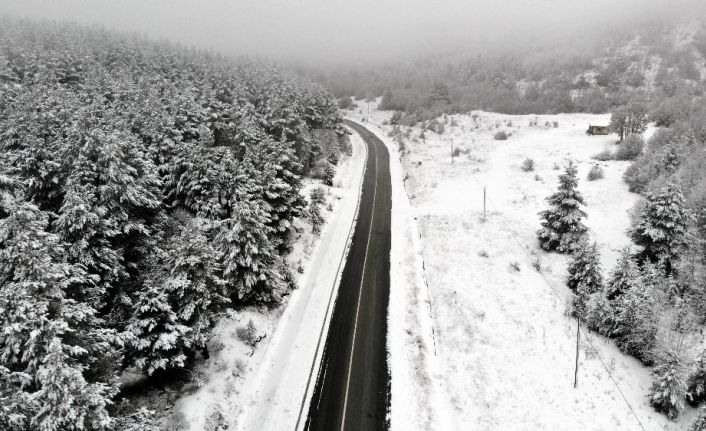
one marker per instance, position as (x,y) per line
(488,344)
(262,388)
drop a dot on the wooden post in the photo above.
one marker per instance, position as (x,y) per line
(452,151)
(578,336)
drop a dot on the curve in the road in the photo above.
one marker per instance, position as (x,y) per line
(352,388)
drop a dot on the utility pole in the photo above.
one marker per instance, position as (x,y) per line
(578,337)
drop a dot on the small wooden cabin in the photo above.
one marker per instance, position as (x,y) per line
(597,130)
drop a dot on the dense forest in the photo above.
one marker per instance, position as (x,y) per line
(593,72)
(144,189)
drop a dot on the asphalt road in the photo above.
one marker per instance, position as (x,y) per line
(352,389)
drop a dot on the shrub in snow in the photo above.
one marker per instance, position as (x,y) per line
(315,218)
(630,148)
(248,334)
(585,277)
(561,226)
(345,102)
(668,388)
(141,419)
(528,165)
(596,173)
(396,117)
(317,196)
(536,262)
(662,225)
(329,174)
(515,266)
(555,124)
(500,136)
(604,155)
(699,423)
(696,382)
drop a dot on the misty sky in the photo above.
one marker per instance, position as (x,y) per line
(333,30)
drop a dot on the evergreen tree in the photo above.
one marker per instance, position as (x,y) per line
(561,226)
(699,423)
(191,281)
(668,388)
(661,228)
(251,266)
(56,343)
(158,340)
(275,168)
(696,383)
(316,200)
(624,276)
(637,317)
(66,401)
(600,314)
(585,277)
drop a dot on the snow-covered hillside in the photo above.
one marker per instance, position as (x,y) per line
(500,349)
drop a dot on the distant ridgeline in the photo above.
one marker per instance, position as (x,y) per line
(580,73)
(144,187)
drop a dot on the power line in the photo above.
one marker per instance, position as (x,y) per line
(514,236)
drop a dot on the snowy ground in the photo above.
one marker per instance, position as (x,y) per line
(500,345)
(262,388)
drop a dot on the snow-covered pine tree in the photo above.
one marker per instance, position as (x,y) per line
(251,266)
(623,277)
(47,334)
(66,400)
(158,340)
(661,227)
(637,316)
(317,198)
(668,388)
(190,279)
(16,405)
(696,382)
(699,422)
(111,197)
(600,314)
(561,226)
(275,168)
(585,277)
